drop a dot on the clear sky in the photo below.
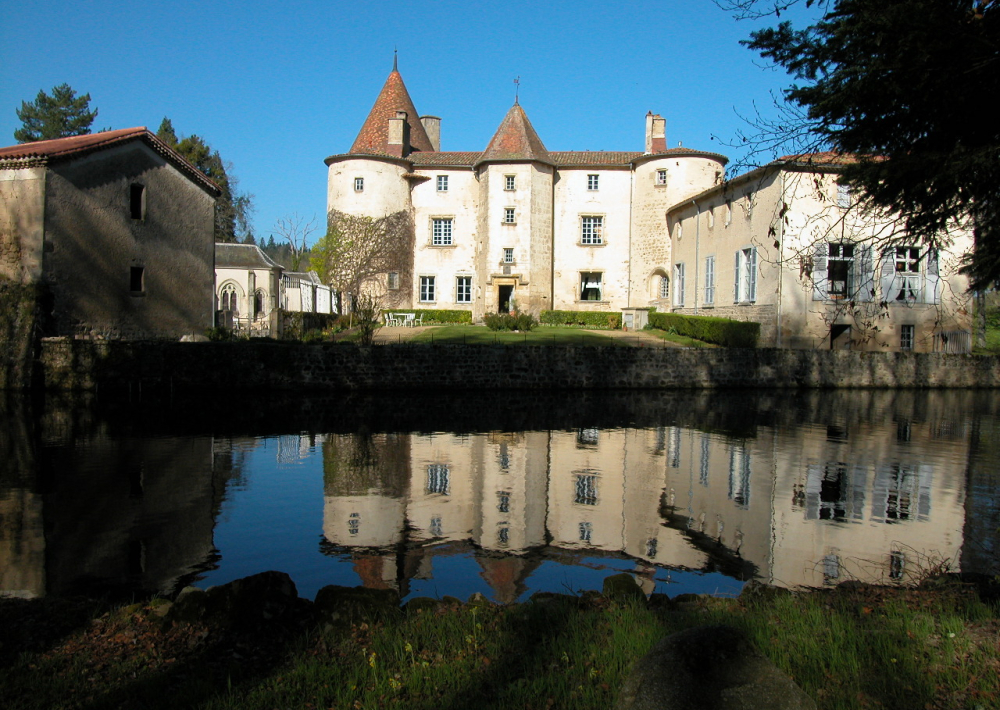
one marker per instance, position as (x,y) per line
(276,87)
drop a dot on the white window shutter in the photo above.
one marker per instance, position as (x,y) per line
(864,275)
(753,274)
(820,253)
(890,286)
(932,278)
(736,284)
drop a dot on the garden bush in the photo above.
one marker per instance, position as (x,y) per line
(504,321)
(592,319)
(721,331)
(436,315)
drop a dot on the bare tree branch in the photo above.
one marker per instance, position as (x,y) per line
(295,230)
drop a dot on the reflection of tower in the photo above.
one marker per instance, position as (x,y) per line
(514,472)
(364,507)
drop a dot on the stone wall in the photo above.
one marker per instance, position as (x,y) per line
(109,365)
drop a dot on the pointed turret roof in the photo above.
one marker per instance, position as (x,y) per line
(515,140)
(374,135)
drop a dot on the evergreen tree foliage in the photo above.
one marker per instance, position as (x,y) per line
(233,210)
(904,86)
(57,116)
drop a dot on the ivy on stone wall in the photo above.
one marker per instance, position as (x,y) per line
(19,306)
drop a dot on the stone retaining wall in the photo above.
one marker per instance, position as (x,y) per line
(88,365)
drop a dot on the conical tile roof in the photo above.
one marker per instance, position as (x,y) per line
(515,140)
(374,135)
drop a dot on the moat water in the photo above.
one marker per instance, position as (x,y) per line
(504,494)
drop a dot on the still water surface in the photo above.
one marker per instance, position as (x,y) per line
(500,494)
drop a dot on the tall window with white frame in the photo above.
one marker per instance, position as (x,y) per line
(679,285)
(508,255)
(709,280)
(590,286)
(442,183)
(591,230)
(906,337)
(664,287)
(508,215)
(427,289)
(509,182)
(441,231)
(463,289)
(745,285)
(593,180)
(908,273)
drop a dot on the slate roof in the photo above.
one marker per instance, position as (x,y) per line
(242,256)
(374,135)
(41,153)
(515,141)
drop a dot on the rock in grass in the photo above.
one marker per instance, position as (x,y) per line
(418,604)
(622,588)
(709,668)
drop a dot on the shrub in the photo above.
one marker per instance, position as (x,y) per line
(593,319)
(721,331)
(436,315)
(504,321)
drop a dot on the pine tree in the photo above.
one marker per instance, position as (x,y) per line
(57,116)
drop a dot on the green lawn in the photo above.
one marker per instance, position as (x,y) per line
(542,335)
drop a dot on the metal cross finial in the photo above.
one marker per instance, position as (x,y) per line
(517,87)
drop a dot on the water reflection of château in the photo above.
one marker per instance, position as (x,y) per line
(865,485)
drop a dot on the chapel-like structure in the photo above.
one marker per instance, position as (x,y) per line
(516,223)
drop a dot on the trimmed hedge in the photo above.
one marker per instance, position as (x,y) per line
(722,331)
(436,315)
(505,321)
(594,319)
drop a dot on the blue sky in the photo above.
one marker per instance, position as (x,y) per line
(276,87)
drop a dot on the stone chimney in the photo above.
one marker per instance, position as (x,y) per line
(656,133)
(432,126)
(399,136)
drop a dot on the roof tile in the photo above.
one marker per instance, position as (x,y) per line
(374,135)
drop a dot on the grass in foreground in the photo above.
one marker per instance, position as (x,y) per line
(865,648)
(542,335)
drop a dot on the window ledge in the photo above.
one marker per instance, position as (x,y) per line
(596,303)
(581,244)
(442,246)
(508,224)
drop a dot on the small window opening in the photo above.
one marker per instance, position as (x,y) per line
(137,201)
(136,279)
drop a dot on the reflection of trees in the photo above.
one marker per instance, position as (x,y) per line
(365,463)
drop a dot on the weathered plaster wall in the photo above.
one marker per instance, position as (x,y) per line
(92,242)
(79,364)
(22,205)
(385,190)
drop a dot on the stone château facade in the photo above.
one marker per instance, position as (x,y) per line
(570,230)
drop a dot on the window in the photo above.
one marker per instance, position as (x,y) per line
(592,181)
(907,265)
(710,216)
(674,447)
(729,212)
(586,532)
(442,183)
(503,501)
(503,536)
(586,489)
(745,286)
(906,333)
(840,271)
(437,478)
(354,524)
(843,196)
(136,279)
(508,255)
(703,466)
(586,438)
(679,284)
(228,301)
(661,177)
(426,288)
(393,281)
(897,565)
(441,232)
(678,229)
(739,475)
(463,289)
(435,528)
(508,215)
(831,568)
(509,182)
(591,230)
(709,280)
(664,287)
(590,286)
(137,201)
(359,184)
